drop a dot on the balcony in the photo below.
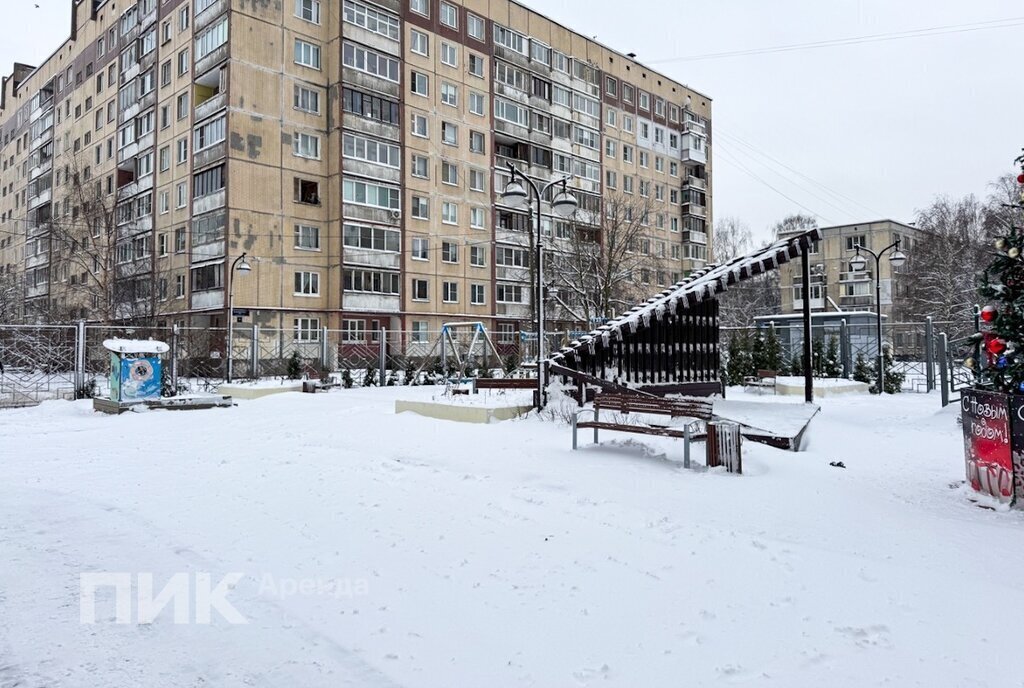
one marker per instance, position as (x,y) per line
(697,183)
(42,197)
(695,210)
(376,259)
(376,303)
(213,298)
(695,128)
(696,156)
(205,204)
(210,14)
(40,168)
(692,237)
(512,273)
(210,251)
(856,276)
(816,304)
(211,105)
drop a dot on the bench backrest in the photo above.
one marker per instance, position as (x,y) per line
(631,403)
(505,383)
(767,373)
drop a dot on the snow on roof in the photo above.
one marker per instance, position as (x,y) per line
(135,346)
(700,285)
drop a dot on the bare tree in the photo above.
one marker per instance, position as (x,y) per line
(732,238)
(12,294)
(744,301)
(605,269)
(794,223)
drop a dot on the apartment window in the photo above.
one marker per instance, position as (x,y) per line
(449,213)
(627,154)
(449,54)
(475,27)
(419,84)
(371,19)
(673,169)
(307,283)
(164,204)
(659,107)
(511,112)
(477,180)
(449,252)
(449,134)
(420,167)
(165,116)
(307,237)
(477,256)
(182,106)
(371,150)
(627,123)
(421,249)
(165,74)
(307,329)
(419,125)
(371,281)
(611,179)
(476,103)
(611,86)
(610,146)
(450,292)
(449,94)
(211,39)
(309,10)
(306,191)
(645,100)
(353,330)
(509,293)
(374,195)
(208,229)
(165,32)
(477,218)
(586,137)
(208,277)
(476,142)
(307,99)
(449,15)
(372,238)
(510,39)
(645,159)
(476,65)
(183,62)
(420,290)
(208,182)
(209,134)
(306,146)
(419,331)
(420,208)
(852,242)
(370,106)
(420,7)
(369,61)
(183,19)
(182,151)
(143,165)
(450,173)
(307,54)
(419,43)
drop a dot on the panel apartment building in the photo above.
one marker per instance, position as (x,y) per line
(354,151)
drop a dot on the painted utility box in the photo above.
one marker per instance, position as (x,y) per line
(134,369)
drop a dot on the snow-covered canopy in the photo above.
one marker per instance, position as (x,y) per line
(135,346)
(701,285)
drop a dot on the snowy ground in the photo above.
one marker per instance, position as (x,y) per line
(455,555)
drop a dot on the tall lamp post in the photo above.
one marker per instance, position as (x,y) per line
(242,265)
(517,195)
(858,263)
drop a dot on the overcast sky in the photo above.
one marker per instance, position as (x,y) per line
(886,124)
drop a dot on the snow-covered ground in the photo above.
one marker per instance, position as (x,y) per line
(395,550)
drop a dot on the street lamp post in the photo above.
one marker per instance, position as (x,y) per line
(858,263)
(242,265)
(564,204)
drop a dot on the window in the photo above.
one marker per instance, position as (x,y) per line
(510,39)
(208,277)
(449,94)
(419,331)
(375,195)
(450,292)
(372,238)
(306,146)
(419,84)
(419,43)
(449,54)
(476,142)
(449,213)
(371,281)
(183,19)
(586,137)
(449,134)
(419,126)
(309,10)
(307,329)
(420,208)
(307,237)
(645,100)
(610,146)
(164,204)
(306,191)
(179,286)
(307,283)
(449,15)
(852,242)
(449,252)
(208,134)
(421,249)
(477,294)
(208,182)
(611,86)
(511,112)
(183,62)
(353,330)
(477,180)
(208,229)
(165,74)
(450,173)
(181,195)
(182,106)
(510,257)
(307,99)
(420,7)
(477,256)
(307,54)
(370,106)
(369,61)
(420,290)
(477,218)
(509,293)
(371,150)
(420,167)
(475,27)
(182,151)
(211,39)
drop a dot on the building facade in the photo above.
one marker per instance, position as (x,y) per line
(355,152)
(835,286)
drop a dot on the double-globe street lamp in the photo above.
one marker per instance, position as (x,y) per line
(243,266)
(517,194)
(858,263)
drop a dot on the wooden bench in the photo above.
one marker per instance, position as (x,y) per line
(504,383)
(698,409)
(763,379)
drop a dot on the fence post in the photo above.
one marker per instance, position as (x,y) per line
(845,348)
(254,352)
(929,355)
(324,349)
(943,370)
(382,357)
(80,345)
(979,362)
(174,359)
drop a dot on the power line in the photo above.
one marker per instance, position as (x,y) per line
(1008,22)
(758,178)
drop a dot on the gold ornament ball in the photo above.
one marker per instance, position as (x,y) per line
(969,363)
(1013,252)
(1000,244)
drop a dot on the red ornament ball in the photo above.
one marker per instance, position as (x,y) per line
(996,346)
(1020,178)
(988,313)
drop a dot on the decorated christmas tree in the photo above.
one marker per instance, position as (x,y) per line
(1002,287)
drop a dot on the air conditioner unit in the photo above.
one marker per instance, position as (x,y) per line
(396,215)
